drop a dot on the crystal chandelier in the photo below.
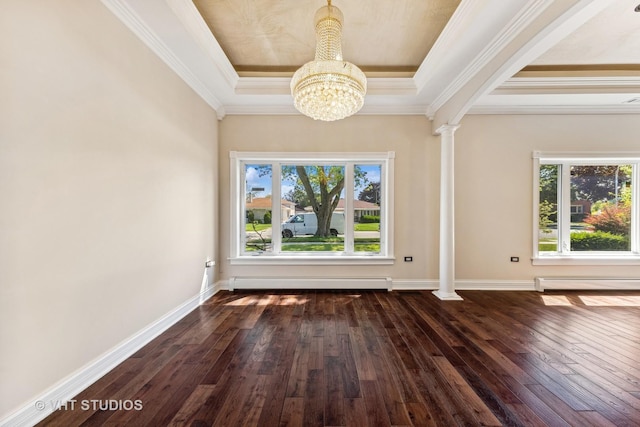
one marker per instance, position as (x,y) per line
(328,88)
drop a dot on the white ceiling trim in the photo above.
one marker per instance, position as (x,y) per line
(570,85)
(507,36)
(281,86)
(263,86)
(393,109)
(262,110)
(397,109)
(557,21)
(520,22)
(555,109)
(127,15)
(193,22)
(445,43)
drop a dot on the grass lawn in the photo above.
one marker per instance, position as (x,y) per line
(330,247)
(373,226)
(259,227)
(313,247)
(358,227)
(548,246)
(318,244)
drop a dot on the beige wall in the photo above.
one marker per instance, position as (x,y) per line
(493,182)
(416,183)
(494,190)
(107,186)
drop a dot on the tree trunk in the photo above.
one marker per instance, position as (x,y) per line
(328,202)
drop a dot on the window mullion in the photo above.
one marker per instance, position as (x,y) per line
(536,206)
(276,207)
(382,227)
(635,209)
(564,207)
(349,245)
(237,206)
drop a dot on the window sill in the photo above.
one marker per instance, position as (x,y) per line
(315,260)
(587,260)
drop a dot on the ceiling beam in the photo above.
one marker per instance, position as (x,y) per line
(536,28)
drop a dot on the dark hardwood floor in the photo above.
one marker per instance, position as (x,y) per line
(352,358)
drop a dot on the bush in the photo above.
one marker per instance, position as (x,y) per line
(598,241)
(267,217)
(615,219)
(368,219)
(250,217)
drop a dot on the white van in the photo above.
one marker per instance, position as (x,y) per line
(307,223)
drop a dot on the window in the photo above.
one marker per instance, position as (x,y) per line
(292,208)
(586,208)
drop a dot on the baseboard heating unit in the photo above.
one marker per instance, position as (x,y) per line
(586,283)
(310,283)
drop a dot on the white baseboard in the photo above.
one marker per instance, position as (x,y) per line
(67,388)
(373,283)
(586,283)
(495,285)
(415,285)
(309,283)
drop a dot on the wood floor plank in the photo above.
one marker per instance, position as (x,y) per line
(195,400)
(292,411)
(374,404)
(314,399)
(473,403)
(371,358)
(355,412)
(333,392)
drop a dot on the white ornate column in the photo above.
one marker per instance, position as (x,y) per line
(446,291)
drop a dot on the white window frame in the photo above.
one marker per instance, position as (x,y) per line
(349,160)
(564,256)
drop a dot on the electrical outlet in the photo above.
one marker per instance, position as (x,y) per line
(408,259)
(515,259)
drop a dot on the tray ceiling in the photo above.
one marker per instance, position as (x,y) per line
(441,58)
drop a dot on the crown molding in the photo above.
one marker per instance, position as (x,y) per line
(540,85)
(554,23)
(555,109)
(262,110)
(507,37)
(132,20)
(277,109)
(281,86)
(515,27)
(193,22)
(393,109)
(444,43)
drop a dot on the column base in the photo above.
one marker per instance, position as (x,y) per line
(447,296)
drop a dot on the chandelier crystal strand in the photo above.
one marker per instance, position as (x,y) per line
(328,88)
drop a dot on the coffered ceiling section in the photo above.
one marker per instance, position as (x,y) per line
(611,39)
(440,58)
(267,37)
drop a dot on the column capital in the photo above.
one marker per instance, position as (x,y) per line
(447,129)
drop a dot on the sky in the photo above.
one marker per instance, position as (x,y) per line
(254,180)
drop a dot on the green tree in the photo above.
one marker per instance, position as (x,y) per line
(371,193)
(548,196)
(317,186)
(320,187)
(298,196)
(549,183)
(595,183)
(323,186)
